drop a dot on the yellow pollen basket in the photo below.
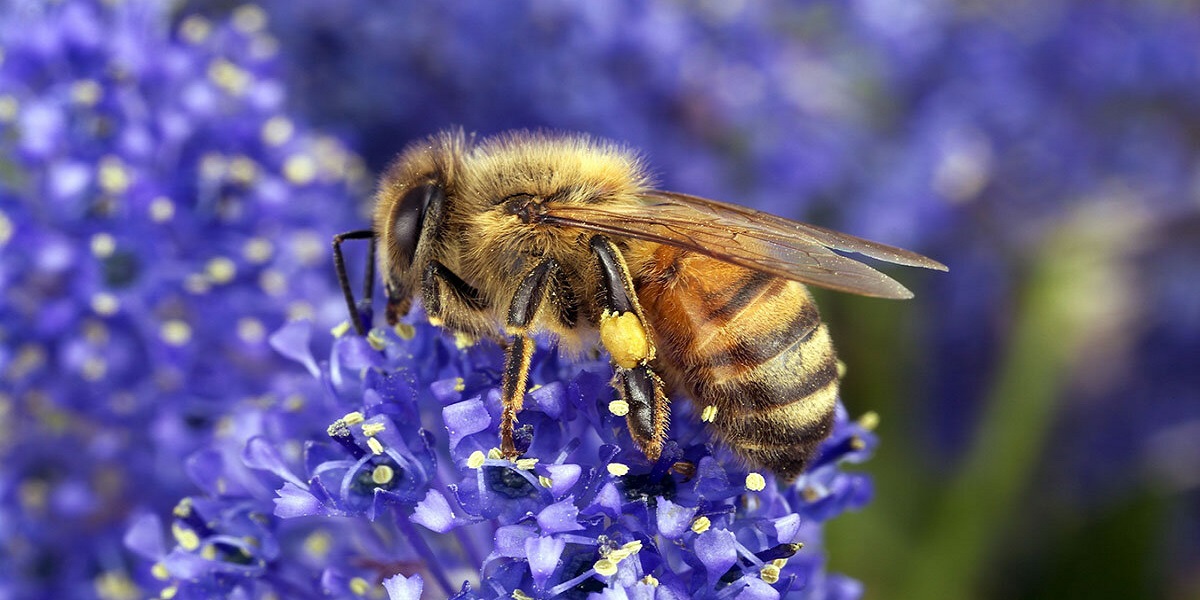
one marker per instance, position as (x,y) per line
(625,338)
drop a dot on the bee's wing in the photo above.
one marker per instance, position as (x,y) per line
(749,238)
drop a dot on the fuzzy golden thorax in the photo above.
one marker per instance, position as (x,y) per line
(482,236)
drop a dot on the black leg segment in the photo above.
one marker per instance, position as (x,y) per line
(357,313)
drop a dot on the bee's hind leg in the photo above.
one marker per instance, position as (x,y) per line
(625,334)
(534,288)
(357,313)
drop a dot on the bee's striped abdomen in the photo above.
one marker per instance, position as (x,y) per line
(750,345)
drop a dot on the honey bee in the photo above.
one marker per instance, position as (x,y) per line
(526,233)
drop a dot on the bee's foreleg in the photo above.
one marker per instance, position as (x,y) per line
(625,334)
(530,294)
(443,292)
(357,313)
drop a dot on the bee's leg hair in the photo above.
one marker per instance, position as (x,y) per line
(531,292)
(358,314)
(444,292)
(632,348)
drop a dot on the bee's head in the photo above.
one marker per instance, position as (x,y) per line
(409,206)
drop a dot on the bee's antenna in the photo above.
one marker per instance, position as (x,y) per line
(339,264)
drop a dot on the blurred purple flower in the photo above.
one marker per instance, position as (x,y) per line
(160,213)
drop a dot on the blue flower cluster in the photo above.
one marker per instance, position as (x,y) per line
(387,466)
(160,215)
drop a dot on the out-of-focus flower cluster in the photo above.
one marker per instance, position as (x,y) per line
(160,215)
(384,469)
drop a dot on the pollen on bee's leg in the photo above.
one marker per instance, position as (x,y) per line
(625,338)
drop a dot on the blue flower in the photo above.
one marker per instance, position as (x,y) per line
(411,423)
(160,214)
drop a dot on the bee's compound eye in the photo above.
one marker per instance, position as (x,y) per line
(410,214)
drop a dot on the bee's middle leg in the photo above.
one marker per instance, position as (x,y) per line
(625,334)
(533,290)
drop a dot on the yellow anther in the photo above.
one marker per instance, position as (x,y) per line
(359,586)
(462,341)
(277,131)
(94,368)
(618,469)
(251,330)
(526,464)
(869,420)
(373,429)
(460,384)
(755,482)
(162,209)
(183,508)
(228,76)
(299,310)
(520,595)
(701,524)
(625,338)
(249,18)
(105,304)
(258,250)
(605,567)
(187,539)
(857,443)
(112,175)
(195,29)
(476,459)
(160,572)
(176,332)
(340,329)
(376,340)
(405,331)
(318,543)
(8,108)
(619,408)
(220,269)
(841,369)
(243,169)
(382,474)
(169,592)
(86,92)
(769,574)
(103,245)
(6,229)
(649,580)
(300,169)
(709,414)
(495,454)
(545,481)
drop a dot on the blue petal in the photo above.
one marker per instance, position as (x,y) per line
(673,519)
(434,513)
(465,418)
(543,554)
(510,540)
(295,501)
(563,478)
(291,340)
(757,589)
(787,528)
(717,549)
(260,454)
(560,517)
(145,537)
(400,587)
